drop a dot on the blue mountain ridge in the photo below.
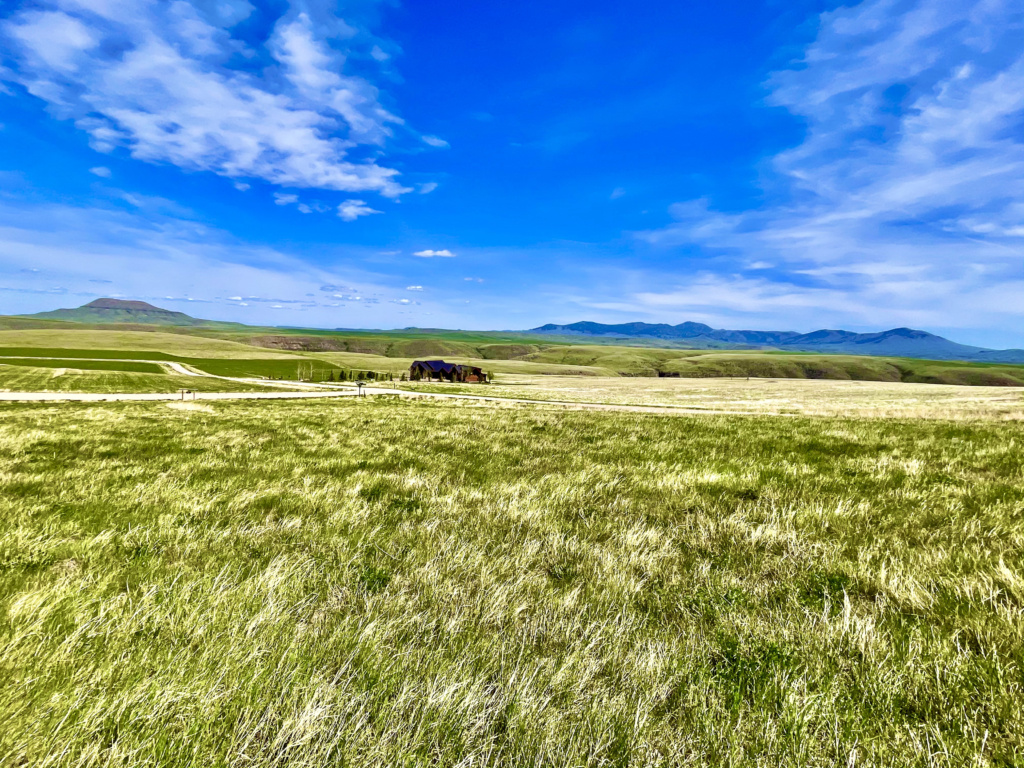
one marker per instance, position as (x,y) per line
(897,342)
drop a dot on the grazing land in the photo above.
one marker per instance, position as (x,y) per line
(390,353)
(127,366)
(758,396)
(411,583)
(25,379)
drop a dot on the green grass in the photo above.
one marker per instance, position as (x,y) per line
(306,368)
(389,583)
(25,379)
(276,353)
(92,354)
(84,365)
(158,340)
(290,367)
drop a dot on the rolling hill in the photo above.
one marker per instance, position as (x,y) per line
(122,311)
(415,342)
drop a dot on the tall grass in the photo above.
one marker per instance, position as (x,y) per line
(393,583)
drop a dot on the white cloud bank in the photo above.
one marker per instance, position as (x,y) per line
(905,200)
(171,83)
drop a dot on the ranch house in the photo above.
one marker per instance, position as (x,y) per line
(439,370)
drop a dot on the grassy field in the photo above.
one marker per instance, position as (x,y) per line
(25,379)
(633,361)
(765,396)
(306,368)
(392,354)
(163,343)
(126,366)
(408,583)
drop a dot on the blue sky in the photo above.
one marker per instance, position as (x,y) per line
(783,165)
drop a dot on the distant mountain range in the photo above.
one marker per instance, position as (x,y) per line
(898,342)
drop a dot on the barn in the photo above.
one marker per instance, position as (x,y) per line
(439,370)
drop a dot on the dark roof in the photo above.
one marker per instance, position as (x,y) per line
(437,366)
(440,366)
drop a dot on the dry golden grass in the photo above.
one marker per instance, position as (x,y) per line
(818,397)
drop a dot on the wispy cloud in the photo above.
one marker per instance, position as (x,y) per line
(435,141)
(426,189)
(171,83)
(73,248)
(102,171)
(904,199)
(414,288)
(350,210)
(430,253)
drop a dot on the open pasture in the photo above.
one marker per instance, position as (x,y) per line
(409,583)
(153,345)
(46,379)
(868,399)
(126,366)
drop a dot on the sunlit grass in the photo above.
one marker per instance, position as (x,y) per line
(25,379)
(408,583)
(777,396)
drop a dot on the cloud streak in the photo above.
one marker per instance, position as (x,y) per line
(905,197)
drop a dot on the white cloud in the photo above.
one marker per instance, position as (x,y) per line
(414,288)
(350,210)
(445,253)
(473,279)
(903,202)
(435,141)
(617,193)
(102,171)
(241,186)
(169,82)
(427,188)
(379,54)
(282,198)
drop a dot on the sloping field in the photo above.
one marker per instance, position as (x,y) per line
(85,365)
(26,379)
(393,354)
(112,342)
(385,583)
(400,365)
(632,361)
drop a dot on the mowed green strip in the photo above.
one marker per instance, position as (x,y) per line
(297,367)
(394,583)
(91,354)
(24,379)
(84,365)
